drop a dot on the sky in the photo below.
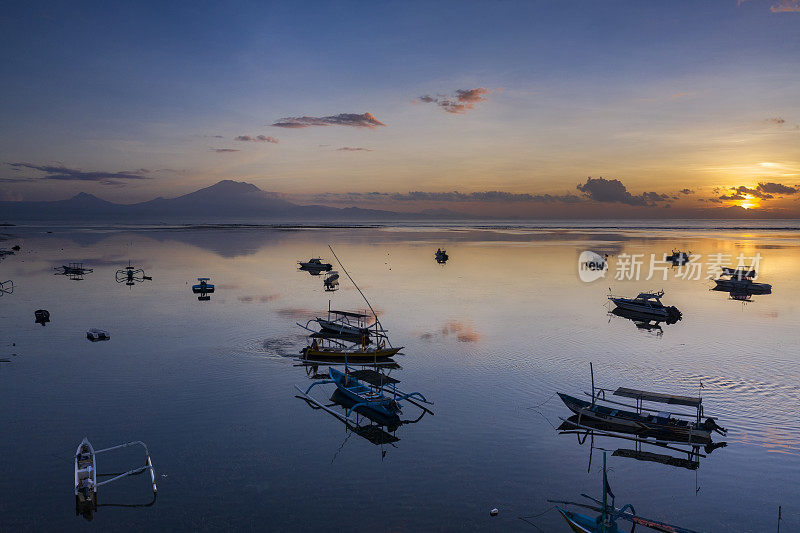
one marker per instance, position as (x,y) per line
(524,108)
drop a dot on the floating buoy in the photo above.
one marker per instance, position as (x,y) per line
(494,512)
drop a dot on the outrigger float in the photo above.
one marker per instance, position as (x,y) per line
(86,475)
(606,521)
(686,427)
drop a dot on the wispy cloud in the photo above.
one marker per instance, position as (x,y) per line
(62,173)
(458,103)
(775,120)
(256,139)
(224,150)
(603,190)
(364,120)
(353,149)
(786,6)
(687,191)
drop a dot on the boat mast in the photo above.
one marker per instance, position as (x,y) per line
(377,322)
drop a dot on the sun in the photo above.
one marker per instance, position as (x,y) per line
(749,202)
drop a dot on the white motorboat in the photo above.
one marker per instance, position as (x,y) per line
(315,263)
(648,303)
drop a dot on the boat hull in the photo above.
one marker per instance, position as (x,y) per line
(342,329)
(328,354)
(743,285)
(85,468)
(630,305)
(584,524)
(686,431)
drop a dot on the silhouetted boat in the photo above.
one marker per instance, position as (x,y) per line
(41,316)
(315,263)
(677,257)
(441,256)
(687,427)
(6,287)
(95,335)
(648,303)
(130,275)
(741,280)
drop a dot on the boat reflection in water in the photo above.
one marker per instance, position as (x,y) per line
(670,451)
(367,401)
(644,321)
(742,293)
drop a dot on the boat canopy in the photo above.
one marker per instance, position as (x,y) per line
(658,397)
(738,273)
(650,295)
(348,313)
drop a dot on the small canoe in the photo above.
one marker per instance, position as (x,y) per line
(85,478)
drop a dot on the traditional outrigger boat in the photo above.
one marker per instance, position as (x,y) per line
(86,483)
(648,303)
(683,426)
(73,271)
(130,275)
(382,399)
(315,263)
(347,336)
(606,522)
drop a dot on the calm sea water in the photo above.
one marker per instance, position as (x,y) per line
(489,337)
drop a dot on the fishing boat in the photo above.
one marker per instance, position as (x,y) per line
(677,257)
(315,263)
(441,256)
(346,336)
(684,426)
(741,280)
(204,287)
(74,269)
(86,475)
(606,521)
(95,334)
(85,478)
(648,303)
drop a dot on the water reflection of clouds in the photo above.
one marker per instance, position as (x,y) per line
(264,298)
(463,331)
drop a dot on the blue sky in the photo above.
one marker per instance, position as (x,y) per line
(661,95)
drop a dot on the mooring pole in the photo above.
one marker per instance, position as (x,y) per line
(591,370)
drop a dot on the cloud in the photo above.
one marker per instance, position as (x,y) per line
(732,197)
(776,188)
(62,173)
(687,191)
(460,102)
(775,120)
(256,139)
(353,149)
(786,6)
(224,150)
(365,120)
(603,190)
